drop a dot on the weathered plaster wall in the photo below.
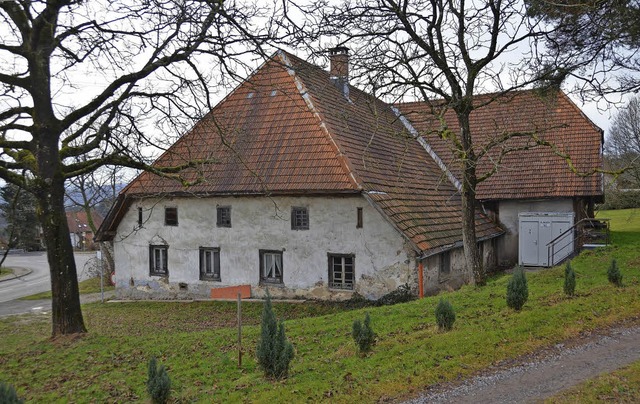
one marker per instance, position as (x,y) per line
(508,215)
(383,260)
(435,281)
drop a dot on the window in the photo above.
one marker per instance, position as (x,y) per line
(158,260)
(359,219)
(445,263)
(170,216)
(209,264)
(270,266)
(223,216)
(299,218)
(341,271)
(140,216)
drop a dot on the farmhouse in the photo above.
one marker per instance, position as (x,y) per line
(300,183)
(542,190)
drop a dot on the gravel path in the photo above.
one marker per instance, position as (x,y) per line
(546,373)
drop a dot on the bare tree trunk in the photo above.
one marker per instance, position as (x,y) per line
(469,184)
(66,312)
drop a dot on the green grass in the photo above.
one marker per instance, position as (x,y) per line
(197,341)
(5,271)
(621,386)
(91,285)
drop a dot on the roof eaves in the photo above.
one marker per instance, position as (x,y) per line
(306,96)
(428,149)
(457,244)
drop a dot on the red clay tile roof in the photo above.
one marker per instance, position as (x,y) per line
(78,221)
(290,130)
(534,173)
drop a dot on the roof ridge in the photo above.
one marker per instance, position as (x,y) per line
(306,96)
(427,147)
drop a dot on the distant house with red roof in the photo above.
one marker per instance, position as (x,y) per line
(304,185)
(80,231)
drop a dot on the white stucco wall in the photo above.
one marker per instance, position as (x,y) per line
(434,281)
(383,260)
(508,215)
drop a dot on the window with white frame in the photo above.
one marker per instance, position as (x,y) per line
(209,264)
(299,218)
(158,257)
(270,266)
(341,271)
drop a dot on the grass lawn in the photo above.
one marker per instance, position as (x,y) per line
(621,386)
(196,341)
(5,271)
(91,285)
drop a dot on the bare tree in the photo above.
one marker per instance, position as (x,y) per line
(442,53)
(86,83)
(19,210)
(623,145)
(595,41)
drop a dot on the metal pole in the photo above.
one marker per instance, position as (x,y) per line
(101,275)
(239,331)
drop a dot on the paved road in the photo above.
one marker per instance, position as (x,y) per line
(37,278)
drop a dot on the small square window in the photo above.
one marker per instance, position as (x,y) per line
(341,271)
(158,257)
(171,216)
(270,266)
(299,218)
(359,218)
(209,264)
(223,216)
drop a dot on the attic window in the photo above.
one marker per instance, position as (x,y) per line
(140,216)
(171,216)
(359,218)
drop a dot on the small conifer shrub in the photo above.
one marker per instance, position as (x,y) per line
(517,289)
(158,384)
(613,273)
(274,351)
(363,334)
(445,315)
(8,394)
(569,280)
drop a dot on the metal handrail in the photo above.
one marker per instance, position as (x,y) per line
(552,244)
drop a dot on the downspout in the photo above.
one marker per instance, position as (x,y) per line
(420,280)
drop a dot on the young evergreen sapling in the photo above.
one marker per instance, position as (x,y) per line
(445,315)
(363,334)
(613,273)
(517,289)
(8,394)
(274,351)
(569,280)
(158,383)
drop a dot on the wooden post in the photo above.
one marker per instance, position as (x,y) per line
(420,280)
(239,330)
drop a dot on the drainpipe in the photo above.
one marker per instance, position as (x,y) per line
(420,280)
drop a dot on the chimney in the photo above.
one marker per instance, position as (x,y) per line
(339,68)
